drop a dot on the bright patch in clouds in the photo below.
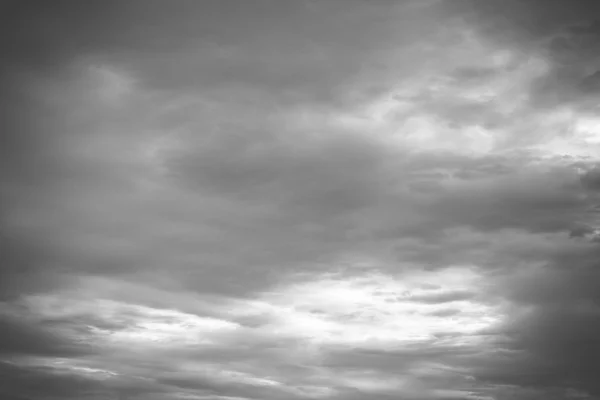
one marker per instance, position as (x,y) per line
(164,326)
(374,309)
(365,309)
(131,325)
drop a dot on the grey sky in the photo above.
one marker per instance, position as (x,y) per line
(299,200)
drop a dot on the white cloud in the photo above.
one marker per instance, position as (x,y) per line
(373,309)
(132,326)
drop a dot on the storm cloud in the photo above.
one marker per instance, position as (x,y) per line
(299,200)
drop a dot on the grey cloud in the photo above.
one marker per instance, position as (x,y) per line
(20,336)
(446,297)
(21,263)
(548,200)
(352,186)
(547,342)
(47,382)
(301,52)
(249,200)
(591,179)
(336,173)
(528,21)
(495,195)
(562,31)
(396,361)
(557,284)
(447,312)
(40,383)
(37,44)
(208,386)
(552,333)
(313,200)
(581,231)
(42,116)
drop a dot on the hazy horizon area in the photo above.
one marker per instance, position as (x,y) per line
(291,200)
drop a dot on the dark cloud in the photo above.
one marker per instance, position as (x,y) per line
(591,179)
(27,337)
(565,32)
(38,41)
(556,329)
(174,175)
(43,383)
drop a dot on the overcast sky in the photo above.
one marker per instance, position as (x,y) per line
(302,199)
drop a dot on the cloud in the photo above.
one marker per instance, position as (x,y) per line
(563,33)
(22,383)
(312,200)
(25,337)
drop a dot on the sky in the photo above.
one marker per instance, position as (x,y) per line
(309,199)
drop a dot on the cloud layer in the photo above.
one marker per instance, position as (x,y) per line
(276,200)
